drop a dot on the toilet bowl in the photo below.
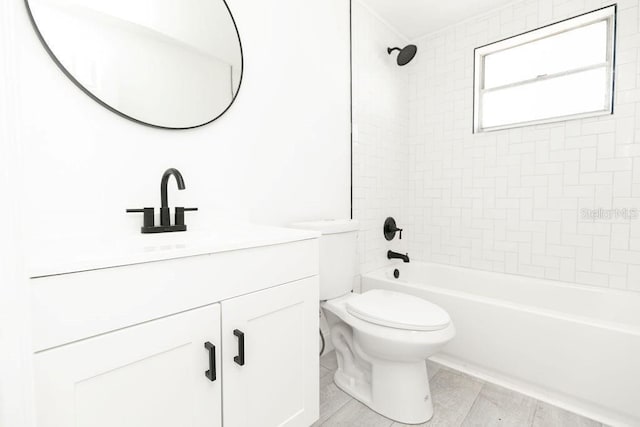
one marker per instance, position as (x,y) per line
(382,339)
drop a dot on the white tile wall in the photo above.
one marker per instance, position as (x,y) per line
(506,201)
(510,201)
(380,131)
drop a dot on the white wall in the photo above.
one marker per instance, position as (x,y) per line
(15,361)
(281,153)
(380,124)
(69,167)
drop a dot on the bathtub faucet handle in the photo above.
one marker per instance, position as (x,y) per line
(390,229)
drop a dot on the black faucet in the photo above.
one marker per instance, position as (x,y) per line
(165,214)
(396,255)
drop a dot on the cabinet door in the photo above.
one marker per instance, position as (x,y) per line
(274,381)
(149,375)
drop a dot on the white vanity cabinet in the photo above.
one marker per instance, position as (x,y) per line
(138,345)
(151,374)
(270,357)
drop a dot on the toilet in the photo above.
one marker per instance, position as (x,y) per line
(381,337)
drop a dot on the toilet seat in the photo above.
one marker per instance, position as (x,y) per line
(338,306)
(397,310)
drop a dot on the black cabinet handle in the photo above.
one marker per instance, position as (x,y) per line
(239,359)
(211,373)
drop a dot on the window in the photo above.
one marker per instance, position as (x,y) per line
(557,72)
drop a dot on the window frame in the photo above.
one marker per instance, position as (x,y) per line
(607,13)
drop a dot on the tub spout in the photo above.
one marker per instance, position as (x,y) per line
(396,255)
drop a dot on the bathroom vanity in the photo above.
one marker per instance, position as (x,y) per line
(216,329)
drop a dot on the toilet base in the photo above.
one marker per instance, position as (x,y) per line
(384,368)
(398,391)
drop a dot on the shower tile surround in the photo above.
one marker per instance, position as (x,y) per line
(508,201)
(380,132)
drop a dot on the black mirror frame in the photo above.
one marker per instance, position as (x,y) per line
(118,112)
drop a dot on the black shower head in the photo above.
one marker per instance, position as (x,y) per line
(406,53)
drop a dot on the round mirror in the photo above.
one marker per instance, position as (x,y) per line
(173,64)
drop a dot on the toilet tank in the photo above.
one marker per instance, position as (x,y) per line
(338,255)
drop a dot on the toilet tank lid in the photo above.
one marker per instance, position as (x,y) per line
(329,226)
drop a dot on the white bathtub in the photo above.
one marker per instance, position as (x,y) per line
(577,347)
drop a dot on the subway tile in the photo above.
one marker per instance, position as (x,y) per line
(507,201)
(588,158)
(633,278)
(614,165)
(606,145)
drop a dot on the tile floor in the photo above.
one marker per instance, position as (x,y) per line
(459,400)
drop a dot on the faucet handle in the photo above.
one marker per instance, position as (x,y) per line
(180,214)
(390,229)
(149,214)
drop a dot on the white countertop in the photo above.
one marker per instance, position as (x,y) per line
(74,255)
